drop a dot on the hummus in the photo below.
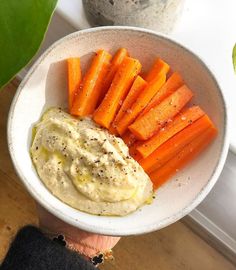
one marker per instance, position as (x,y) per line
(86,167)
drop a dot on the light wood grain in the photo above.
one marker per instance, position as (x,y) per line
(16,206)
(173,248)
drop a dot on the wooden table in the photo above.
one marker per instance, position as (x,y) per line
(173,248)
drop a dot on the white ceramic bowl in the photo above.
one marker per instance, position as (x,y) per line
(45,86)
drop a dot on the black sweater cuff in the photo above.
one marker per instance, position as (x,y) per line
(31,250)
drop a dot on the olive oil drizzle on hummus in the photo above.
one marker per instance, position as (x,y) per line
(86,167)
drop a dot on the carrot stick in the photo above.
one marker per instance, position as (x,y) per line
(172,84)
(112,130)
(128,138)
(74,79)
(134,153)
(152,121)
(87,98)
(120,85)
(115,63)
(137,87)
(145,96)
(181,121)
(175,144)
(187,154)
(158,66)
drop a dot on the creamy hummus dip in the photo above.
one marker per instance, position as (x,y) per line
(86,167)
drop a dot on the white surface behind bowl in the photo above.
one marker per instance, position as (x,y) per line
(46,86)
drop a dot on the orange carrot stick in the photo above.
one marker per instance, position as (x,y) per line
(74,79)
(112,130)
(172,84)
(137,87)
(87,98)
(145,96)
(115,63)
(181,121)
(152,121)
(174,145)
(158,67)
(120,85)
(187,154)
(128,138)
(134,153)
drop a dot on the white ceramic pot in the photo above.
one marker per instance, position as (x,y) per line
(159,15)
(46,85)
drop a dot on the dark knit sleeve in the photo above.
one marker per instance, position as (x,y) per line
(31,250)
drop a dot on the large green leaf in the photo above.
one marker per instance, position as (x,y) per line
(234,57)
(23,24)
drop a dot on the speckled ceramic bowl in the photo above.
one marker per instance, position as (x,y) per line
(45,86)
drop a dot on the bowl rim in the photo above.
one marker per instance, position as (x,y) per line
(138,230)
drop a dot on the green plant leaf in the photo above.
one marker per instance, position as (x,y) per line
(234,57)
(23,24)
